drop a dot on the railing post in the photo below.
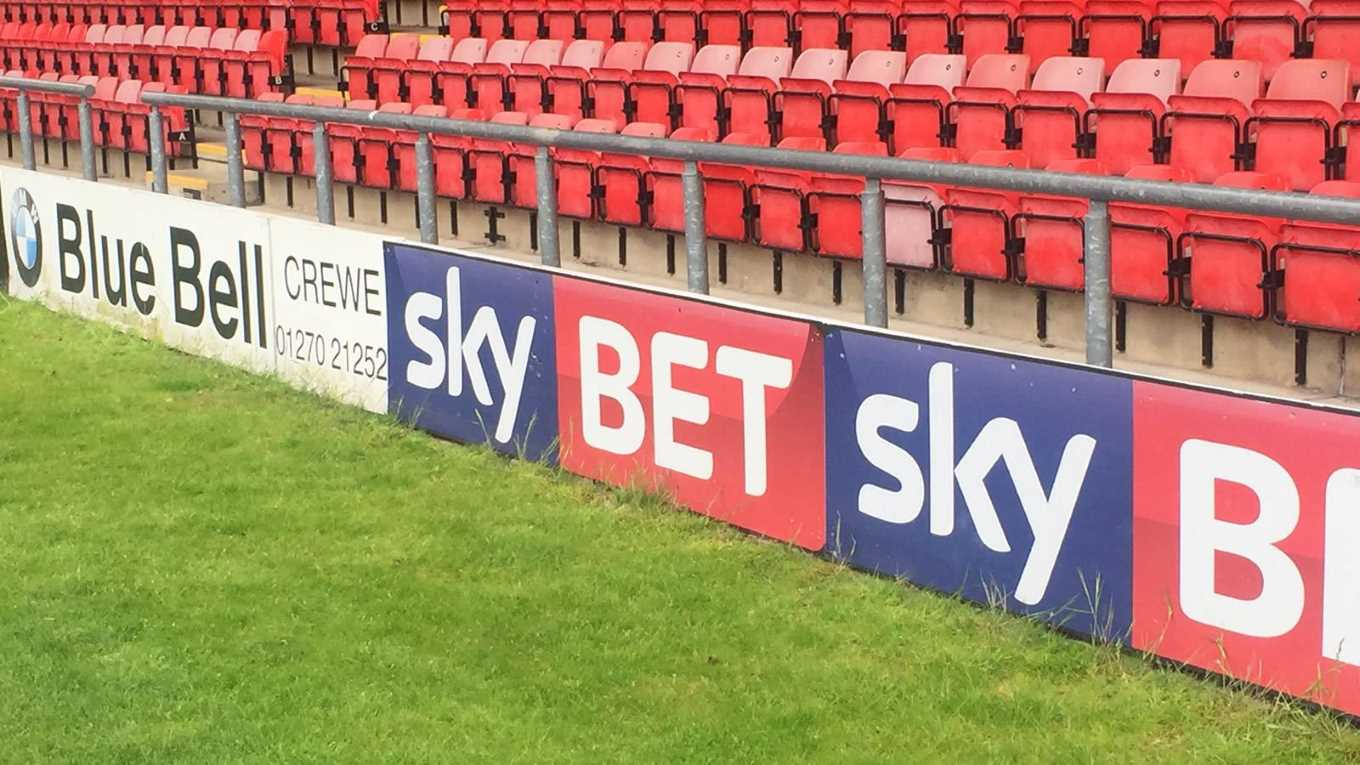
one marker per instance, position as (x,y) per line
(875,254)
(26,132)
(425,205)
(1097,265)
(325,192)
(83,116)
(546,186)
(696,246)
(236,176)
(160,181)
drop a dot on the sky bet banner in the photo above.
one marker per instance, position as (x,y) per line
(1211,528)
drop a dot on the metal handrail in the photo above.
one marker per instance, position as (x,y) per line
(81,91)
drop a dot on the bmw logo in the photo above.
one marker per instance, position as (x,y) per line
(25,237)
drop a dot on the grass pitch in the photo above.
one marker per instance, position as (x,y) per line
(198,565)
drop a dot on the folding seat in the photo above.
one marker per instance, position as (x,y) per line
(335,23)
(1331,29)
(872,25)
(489,20)
(446,81)
(255,138)
(212,76)
(721,22)
(455,19)
(416,76)
(1048,117)
(979,220)
(375,150)
(404,155)
(800,104)
(779,200)
(597,20)
(573,169)
(269,15)
(818,23)
(566,83)
(523,19)
(291,141)
(114,112)
(1189,30)
(525,82)
(637,21)
(769,23)
(911,215)
(1115,30)
(100,51)
(1291,128)
(344,144)
(748,100)
(185,57)
(162,56)
(47,47)
(1144,243)
(856,108)
(678,21)
(1125,120)
(31,38)
(1052,232)
(725,190)
(699,92)
(915,113)
(136,117)
(257,58)
(486,84)
(101,105)
(612,92)
(521,177)
(834,207)
(985,27)
(1228,255)
(980,112)
(559,19)
(143,58)
(489,164)
(123,48)
(1205,123)
(622,191)
(43,111)
(1268,31)
(1047,29)
(358,69)
(1320,265)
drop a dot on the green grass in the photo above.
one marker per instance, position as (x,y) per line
(198,565)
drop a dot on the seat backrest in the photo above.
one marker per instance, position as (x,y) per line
(176,36)
(96,32)
(603,126)
(431,110)
(1000,158)
(672,57)
(1249,179)
(721,60)
(627,56)
(823,64)
(943,69)
(104,88)
(133,34)
(872,148)
(1000,70)
(551,121)
(1070,74)
(1226,78)
(247,41)
(198,37)
(402,47)
(507,52)
(544,52)
(640,129)
(1336,189)
(1161,173)
(223,38)
(128,92)
(583,54)
(395,107)
(154,35)
(510,118)
(1160,77)
(770,63)
(371,46)
(435,49)
(878,66)
(113,34)
(1312,79)
(469,50)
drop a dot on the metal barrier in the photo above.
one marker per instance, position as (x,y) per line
(1099,190)
(24,117)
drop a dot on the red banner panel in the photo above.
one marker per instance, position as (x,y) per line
(718,408)
(1246,540)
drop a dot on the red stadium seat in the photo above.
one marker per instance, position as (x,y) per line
(1116,30)
(623,197)
(697,93)
(1291,127)
(416,77)
(1206,122)
(567,84)
(818,23)
(637,21)
(486,84)
(980,111)
(1229,255)
(448,79)
(564,86)
(1052,230)
(980,242)
(643,95)
(1048,117)
(1144,243)
(1125,119)
(872,25)
(1047,28)
(211,74)
(926,26)
(255,138)
(915,113)
(1267,31)
(985,26)
(1332,28)
(254,61)
(769,23)
(558,19)
(834,204)
(1189,30)
(800,104)
(779,200)
(1321,269)
(344,143)
(857,107)
(912,215)
(748,100)
(489,160)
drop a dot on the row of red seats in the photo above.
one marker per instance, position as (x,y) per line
(1224,119)
(216,62)
(1269,31)
(1303,274)
(119,118)
(308,22)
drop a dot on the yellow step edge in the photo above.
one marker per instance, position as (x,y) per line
(314,91)
(175,180)
(212,150)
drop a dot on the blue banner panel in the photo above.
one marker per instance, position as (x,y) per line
(473,350)
(1008,482)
